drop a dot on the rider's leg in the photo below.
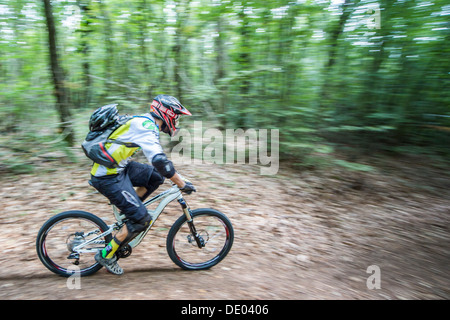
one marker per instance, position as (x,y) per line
(138,219)
(120,191)
(141,191)
(109,251)
(145,178)
(107,256)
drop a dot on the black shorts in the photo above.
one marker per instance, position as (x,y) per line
(119,189)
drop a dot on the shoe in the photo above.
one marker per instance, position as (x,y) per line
(110,264)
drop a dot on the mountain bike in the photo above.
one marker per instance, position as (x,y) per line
(198,240)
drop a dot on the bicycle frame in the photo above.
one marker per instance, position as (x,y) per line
(164,197)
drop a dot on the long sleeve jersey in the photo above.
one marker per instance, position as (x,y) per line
(141,131)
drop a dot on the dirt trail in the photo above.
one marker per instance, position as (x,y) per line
(308,235)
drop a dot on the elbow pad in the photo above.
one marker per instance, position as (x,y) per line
(163,165)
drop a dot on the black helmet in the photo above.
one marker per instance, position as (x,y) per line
(103,117)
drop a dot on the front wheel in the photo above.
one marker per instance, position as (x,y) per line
(214,234)
(61,234)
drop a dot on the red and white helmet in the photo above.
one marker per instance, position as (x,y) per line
(169,110)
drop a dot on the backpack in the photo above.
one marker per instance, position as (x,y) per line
(103,122)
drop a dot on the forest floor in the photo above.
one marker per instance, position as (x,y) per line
(298,235)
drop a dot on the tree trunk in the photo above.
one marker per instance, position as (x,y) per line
(333,38)
(347,8)
(219,43)
(143,20)
(177,49)
(109,59)
(85,49)
(244,61)
(61,92)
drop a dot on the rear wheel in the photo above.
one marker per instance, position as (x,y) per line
(215,236)
(62,233)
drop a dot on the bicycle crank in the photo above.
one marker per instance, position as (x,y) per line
(124,251)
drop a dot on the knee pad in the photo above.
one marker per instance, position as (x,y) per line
(136,227)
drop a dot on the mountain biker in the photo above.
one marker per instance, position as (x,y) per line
(118,184)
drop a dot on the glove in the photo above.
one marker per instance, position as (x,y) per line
(188,188)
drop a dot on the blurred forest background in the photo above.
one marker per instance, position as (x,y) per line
(334,76)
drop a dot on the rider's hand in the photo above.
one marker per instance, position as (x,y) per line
(188,188)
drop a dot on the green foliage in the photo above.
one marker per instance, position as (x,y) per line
(365,75)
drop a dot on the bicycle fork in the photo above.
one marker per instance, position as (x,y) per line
(187,211)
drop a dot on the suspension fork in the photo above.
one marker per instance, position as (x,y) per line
(187,211)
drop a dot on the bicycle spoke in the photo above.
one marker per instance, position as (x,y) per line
(216,238)
(68,234)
